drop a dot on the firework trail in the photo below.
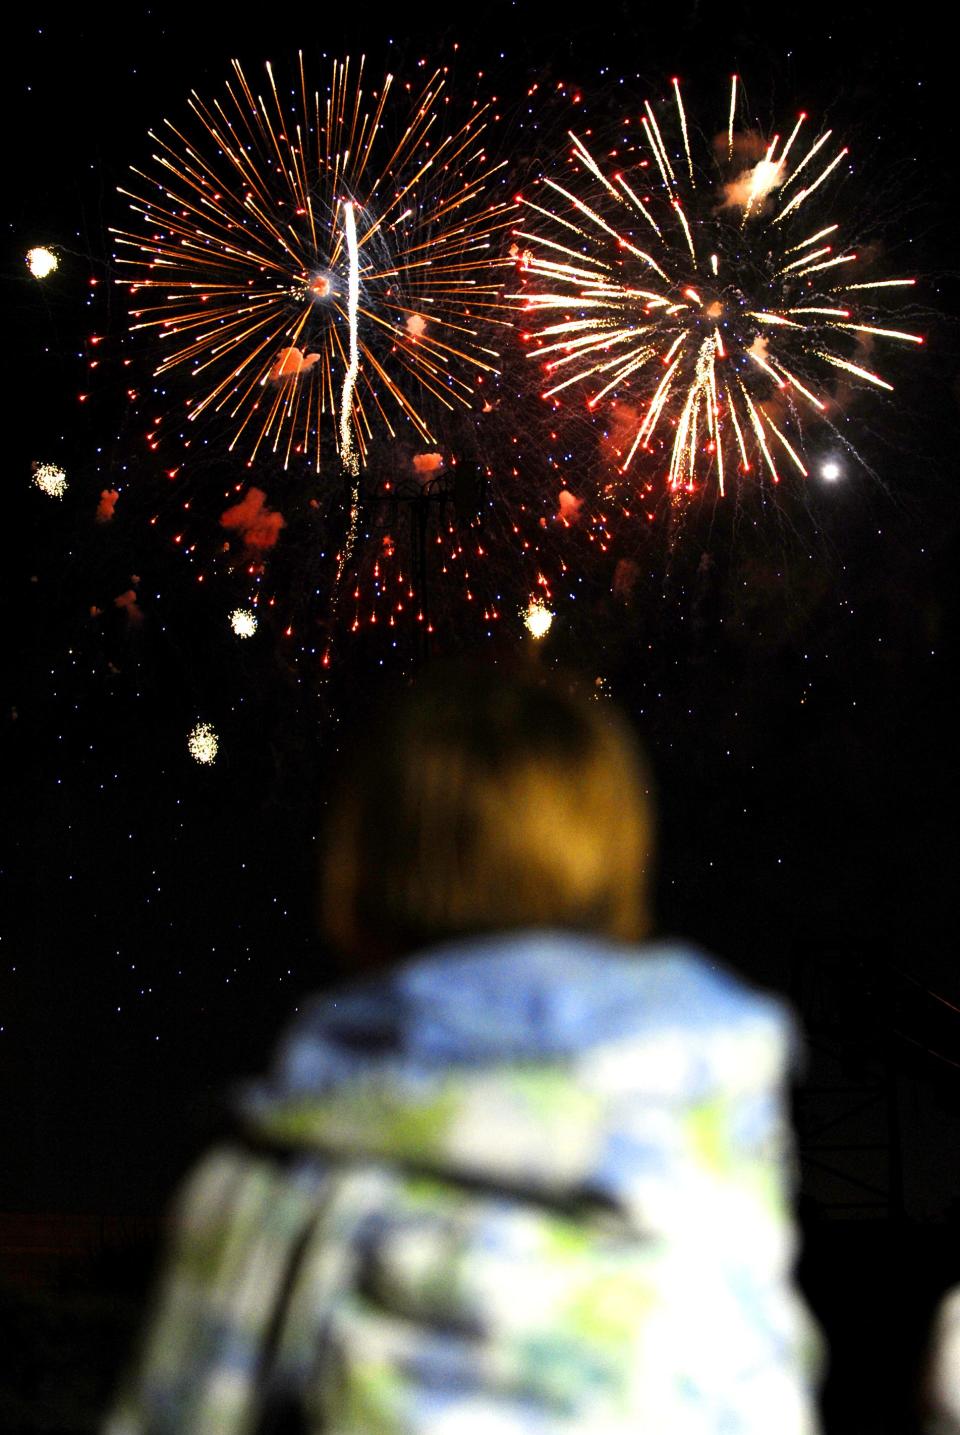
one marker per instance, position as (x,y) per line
(348,451)
(293,251)
(714,296)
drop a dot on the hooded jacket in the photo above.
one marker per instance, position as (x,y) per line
(524,1185)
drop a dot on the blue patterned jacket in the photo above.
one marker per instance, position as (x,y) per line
(533,1184)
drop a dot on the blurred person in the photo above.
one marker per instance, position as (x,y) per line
(940,1394)
(528,1171)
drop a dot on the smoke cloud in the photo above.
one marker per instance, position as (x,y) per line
(253,521)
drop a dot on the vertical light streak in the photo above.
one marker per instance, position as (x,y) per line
(755,419)
(733,106)
(656,141)
(732,411)
(686,230)
(683,130)
(717,434)
(348,451)
(793,134)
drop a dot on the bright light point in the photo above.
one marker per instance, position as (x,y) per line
(50,479)
(243,622)
(41,262)
(830,471)
(537,618)
(203,743)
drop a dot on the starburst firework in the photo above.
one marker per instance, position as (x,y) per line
(320,255)
(716,299)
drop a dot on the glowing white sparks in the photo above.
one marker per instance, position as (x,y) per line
(348,449)
(720,341)
(830,471)
(243,622)
(733,107)
(538,618)
(41,262)
(203,743)
(50,479)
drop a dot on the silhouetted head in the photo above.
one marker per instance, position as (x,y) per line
(487,801)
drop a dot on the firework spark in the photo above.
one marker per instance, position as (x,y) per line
(537,618)
(243,622)
(41,262)
(203,743)
(715,296)
(339,246)
(50,479)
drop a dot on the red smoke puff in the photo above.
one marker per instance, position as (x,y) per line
(570,506)
(128,602)
(290,363)
(108,502)
(426,464)
(258,525)
(625,577)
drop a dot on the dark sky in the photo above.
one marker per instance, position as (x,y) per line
(794,689)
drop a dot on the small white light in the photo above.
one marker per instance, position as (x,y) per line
(830,471)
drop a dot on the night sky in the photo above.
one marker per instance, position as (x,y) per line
(786,656)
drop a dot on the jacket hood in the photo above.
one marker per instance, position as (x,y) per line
(542,1062)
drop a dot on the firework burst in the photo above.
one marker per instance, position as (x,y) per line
(706,287)
(203,743)
(50,479)
(41,261)
(312,256)
(243,622)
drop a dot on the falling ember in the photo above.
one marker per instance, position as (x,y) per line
(243,622)
(537,617)
(41,262)
(203,743)
(713,299)
(283,238)
(50,479)
(830,471)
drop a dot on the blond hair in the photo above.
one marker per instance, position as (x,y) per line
(487,802)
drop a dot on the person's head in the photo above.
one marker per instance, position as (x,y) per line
(482,802)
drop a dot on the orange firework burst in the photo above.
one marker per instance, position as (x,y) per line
(312,257)
(714,295)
